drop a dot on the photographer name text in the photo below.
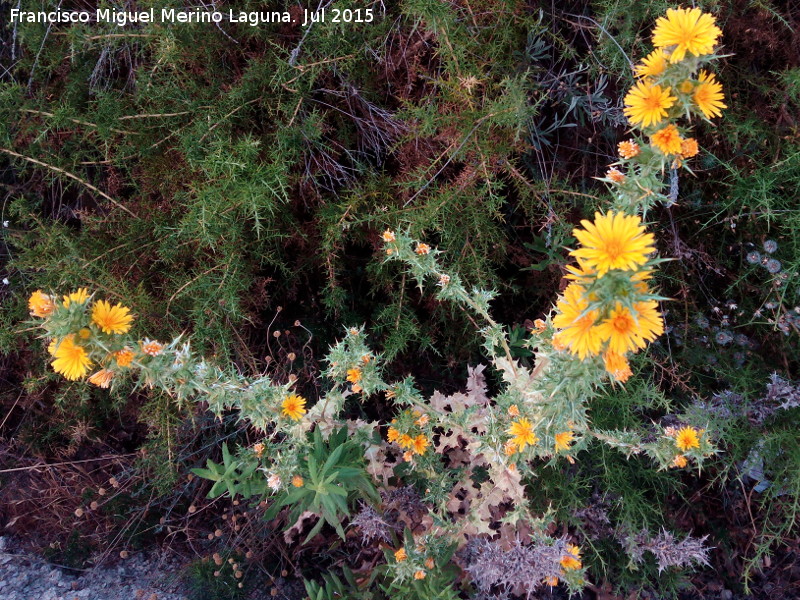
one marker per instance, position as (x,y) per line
(177,16)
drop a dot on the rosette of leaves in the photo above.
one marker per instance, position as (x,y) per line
(334,474)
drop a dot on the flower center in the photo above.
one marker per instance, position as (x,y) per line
(613,249)
(622,323)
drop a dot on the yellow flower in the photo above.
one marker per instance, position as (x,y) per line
(571,560)
(687,438)
(652,65)
(686,30)
(708,95)
(422,249)
(71,359)
(689,148)
(522,434)
(679,461)
(41,305)
(668,140)
(686,87)
(420,574)
(628,330)
(405,441)
(420,444)
(552,581)
(354,375)
(111,319)
(80,296)
(389,236)
(297,481)
(646,104)
(51,347)
(152,347)
(400,555)
(628,149)
(102,378)
(563,440)
(124,357)
(617,365)
(650,323)
(577,324)
(294,407)
(615,175)
(613,241)
(392,435)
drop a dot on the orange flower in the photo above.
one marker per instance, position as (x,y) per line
(392,435)
(41,305)
(422,249)
(354,375)
(571,560)
(668,140)
(419,574)
(617,365)
(628,149)
(689,148)
(539,326)
(563,440)
(152,347)
(422,421)
(124,357)
(679,461)
(258,449)
(297,481)
(405,441)
(558,343)
(102,378)
(509,448)
(420,444)
(615,175)
(429,563)
(400,555)
(388,236)
(513,410)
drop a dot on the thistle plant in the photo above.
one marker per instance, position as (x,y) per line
(608,311)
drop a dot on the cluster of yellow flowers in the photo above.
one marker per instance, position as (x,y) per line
(401,556)
(408,435)
(75,353)
(686,439)
(608,307)
(670,84)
